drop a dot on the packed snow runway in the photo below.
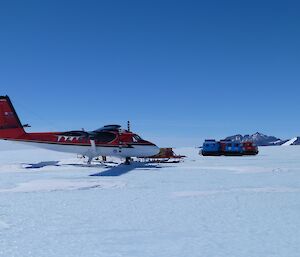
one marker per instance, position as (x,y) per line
(53,205)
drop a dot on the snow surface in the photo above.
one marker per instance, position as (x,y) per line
(53,205)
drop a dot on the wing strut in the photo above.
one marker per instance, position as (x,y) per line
(93,151)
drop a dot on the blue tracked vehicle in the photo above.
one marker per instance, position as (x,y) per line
(211,148)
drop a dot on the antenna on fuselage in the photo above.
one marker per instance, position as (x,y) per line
(128,126)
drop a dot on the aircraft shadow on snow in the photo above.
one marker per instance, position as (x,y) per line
(41,164)
(123,169)
(111,171)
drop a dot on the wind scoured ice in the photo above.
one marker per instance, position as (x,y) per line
(52,205)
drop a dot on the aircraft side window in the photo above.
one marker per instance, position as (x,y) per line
(105,137)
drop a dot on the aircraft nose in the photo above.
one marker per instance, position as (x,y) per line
(153,150)
(149,149)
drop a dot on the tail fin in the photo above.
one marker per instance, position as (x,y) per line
(10,125)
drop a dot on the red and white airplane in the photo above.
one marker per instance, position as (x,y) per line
(109,140)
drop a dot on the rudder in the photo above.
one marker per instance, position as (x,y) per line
(10,125)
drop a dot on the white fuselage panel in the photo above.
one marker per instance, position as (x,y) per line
(134,151)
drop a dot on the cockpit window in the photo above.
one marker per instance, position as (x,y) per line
(136,138)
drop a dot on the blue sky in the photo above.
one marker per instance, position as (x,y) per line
(181,71)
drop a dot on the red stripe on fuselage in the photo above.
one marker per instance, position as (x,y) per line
(52,138)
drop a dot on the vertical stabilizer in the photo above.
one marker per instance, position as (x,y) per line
(10,125)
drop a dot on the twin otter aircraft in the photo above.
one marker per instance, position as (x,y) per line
(110,140)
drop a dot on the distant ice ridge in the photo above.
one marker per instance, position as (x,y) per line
(291,141)
(264,140)
(258,138)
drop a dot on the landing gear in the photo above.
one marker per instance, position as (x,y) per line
(89,161)
(127,161)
